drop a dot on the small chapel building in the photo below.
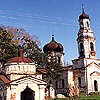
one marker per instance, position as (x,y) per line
(20,80)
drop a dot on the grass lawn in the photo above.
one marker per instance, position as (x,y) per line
(82,98)
(89,98)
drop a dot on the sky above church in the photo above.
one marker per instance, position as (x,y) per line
(45,18)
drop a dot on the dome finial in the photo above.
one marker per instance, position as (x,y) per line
(52,37)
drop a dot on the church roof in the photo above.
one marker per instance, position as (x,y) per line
(83,15)
(95,73)
(4,78)
(97,65)
(20,58)
(42,70)
(29,78)
(53,46)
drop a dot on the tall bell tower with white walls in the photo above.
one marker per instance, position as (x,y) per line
(86,39)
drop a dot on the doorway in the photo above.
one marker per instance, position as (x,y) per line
(28,94)
(95,85)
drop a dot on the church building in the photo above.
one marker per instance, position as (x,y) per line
(22,80)
(86,68)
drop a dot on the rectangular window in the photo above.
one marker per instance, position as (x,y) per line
(56,84)
(63,84)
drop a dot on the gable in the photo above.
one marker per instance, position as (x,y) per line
(28,79)
(93,64)
(93,67)
(95,73)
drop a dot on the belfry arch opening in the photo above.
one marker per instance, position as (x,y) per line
(87,24)
(91,46)
(28,94)
(79,81)
(81,50)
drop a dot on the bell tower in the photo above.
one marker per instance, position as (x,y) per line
(87,63)
(86,39)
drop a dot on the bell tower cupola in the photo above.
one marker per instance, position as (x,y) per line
(86,39)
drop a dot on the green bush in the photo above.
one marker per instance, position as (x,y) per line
(82,94)
(94,93)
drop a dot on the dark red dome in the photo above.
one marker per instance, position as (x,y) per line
(53,46)
(83,16)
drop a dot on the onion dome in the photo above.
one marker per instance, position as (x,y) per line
(53,46)
(20,58)
(83,15)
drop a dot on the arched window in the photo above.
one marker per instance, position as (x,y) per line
(81,47)
(63,83)
(0,97)
(58,59)
(95,85)
(92,46)
(56,84)
(81,50)
(87,24)
(81,25)
(79,81)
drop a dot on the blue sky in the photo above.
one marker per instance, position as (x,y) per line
(46,17)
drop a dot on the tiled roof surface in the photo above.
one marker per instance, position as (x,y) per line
(4,79)
(19,60)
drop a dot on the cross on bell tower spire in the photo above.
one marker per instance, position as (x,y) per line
(83,9)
